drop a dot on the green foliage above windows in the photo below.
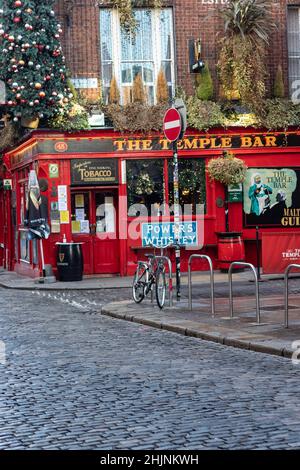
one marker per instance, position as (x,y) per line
(136,117)
(203,115)
(72,120)
(279,114)
(9,136)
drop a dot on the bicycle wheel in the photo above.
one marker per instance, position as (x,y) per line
(139,284)
(160,287)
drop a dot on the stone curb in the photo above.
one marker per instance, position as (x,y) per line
(58,289)
(214,337)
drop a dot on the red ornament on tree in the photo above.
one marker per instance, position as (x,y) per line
(18,3)
(17,19)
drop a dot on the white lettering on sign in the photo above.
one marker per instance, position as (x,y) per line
(214,2)
(162,234)
(94,173)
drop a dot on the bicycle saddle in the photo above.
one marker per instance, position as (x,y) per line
(149,256)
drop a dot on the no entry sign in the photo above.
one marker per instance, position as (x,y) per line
(172,124)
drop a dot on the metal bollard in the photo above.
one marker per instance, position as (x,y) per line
(249,265)
(212,282)
(286,292)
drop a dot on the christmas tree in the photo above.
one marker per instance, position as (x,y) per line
(32,64)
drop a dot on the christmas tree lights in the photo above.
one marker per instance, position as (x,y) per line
(32,63)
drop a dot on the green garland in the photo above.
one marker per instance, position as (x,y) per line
(125,9)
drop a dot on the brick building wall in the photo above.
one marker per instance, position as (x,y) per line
(192,19)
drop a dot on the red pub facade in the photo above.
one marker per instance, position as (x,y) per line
(101,185)
(96,181)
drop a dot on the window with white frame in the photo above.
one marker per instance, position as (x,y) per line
(145,52)
(294,48)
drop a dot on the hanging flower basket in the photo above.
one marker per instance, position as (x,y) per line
(227,169)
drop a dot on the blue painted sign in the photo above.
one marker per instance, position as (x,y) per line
(161,234)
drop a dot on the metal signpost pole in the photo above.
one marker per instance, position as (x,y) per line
(176,216)
(175,124)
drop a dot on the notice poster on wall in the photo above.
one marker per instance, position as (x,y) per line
(64,217)
(272,197)
(55,226)
(84,226)
(80,215)
(62,198)
(75,226)
(79,200)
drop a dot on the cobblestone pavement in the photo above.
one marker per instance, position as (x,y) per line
(95,299)
(74,379)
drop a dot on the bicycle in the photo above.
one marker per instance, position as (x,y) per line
(148,274)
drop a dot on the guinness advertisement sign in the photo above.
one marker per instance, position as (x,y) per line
(98,171)
(272,197)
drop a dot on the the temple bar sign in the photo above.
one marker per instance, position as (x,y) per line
(94,172)
(207,142)
(108,145)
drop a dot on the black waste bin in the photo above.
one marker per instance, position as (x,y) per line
(69,262)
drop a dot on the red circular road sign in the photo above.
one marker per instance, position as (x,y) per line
(172,124)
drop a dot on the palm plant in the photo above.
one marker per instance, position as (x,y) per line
(242,65)
(248,18)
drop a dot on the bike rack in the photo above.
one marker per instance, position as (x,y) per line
(286,292)
(212,283)
(238,263)
(169,263)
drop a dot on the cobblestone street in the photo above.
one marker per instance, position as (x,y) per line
(74,379)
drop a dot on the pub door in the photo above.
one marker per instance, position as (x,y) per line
(94,223)
(105,238)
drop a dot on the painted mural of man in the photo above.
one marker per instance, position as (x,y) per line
(259,194)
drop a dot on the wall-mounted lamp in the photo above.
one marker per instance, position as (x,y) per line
(195,53)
